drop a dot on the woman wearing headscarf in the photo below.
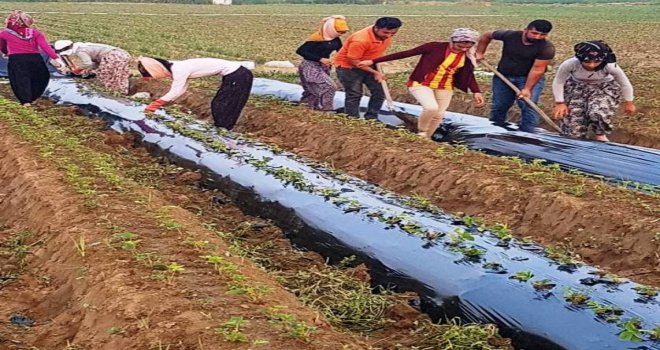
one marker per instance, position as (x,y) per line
(587,89)
(442,67)
(228,102)
(110,64)
(28,73)
(314,71)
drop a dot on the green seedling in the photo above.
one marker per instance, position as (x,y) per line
(254,293)
(114,330)
(291,177)
(196,243)
(292,326)
(522,276)
(393,220)
(173,269)
(80,245)
(459,236)
(654,334)
(575,297)
(170,224)
(328,192)
(231,330)
(413,228)
(647,291)
(471,221)
(502,231)
(260,163)
(603,310)
(419,202)
(631,331)
(544,284)
(559,255)
(491,265)
(473,252)
(216,260)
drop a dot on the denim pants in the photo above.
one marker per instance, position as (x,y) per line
(504,97)
(353,79)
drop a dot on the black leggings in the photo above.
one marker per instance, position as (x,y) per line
(228,103)
(28,76)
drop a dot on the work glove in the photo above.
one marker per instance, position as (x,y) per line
(155,105)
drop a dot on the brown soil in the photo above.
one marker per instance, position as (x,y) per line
(106,299)
(607,227)
(76,300)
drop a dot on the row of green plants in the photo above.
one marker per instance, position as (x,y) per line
(169,271)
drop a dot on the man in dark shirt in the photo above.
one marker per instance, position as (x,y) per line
(525,58)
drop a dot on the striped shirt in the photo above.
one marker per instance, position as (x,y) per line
(442,78)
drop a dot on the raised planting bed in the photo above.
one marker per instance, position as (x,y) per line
(458,267)
(632,165)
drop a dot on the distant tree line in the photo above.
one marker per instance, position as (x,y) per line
(357,2)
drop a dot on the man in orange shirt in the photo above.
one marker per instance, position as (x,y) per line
(366,44)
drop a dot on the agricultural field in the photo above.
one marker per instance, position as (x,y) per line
(262,33)
(108,243)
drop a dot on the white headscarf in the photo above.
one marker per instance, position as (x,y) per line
(466,35)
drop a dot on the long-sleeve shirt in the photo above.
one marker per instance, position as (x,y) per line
(572,68)
(361,45)
(315,50)
(11,45)
(90,54)
(196,68)
(433,54)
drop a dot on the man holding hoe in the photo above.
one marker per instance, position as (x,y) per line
(366,44)
(526,55)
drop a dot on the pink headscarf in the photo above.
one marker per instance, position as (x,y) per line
(20,23)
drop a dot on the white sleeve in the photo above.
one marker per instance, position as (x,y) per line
(85,59)
(563,73)
(179,84)
(622,79)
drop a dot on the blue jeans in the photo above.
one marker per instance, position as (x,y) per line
(504,97)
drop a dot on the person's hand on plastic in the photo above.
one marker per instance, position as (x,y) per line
(154,106)
(379,76)
(365,63)
(76,70)
(560,111)
(629,107)
(478,99)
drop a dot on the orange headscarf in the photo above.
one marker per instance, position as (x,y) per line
(331,27)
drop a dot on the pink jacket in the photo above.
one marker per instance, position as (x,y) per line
(10,44)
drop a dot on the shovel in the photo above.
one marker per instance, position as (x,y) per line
(408,120)
(527,100)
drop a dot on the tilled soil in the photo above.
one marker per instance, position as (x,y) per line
(608,227)
(107,300)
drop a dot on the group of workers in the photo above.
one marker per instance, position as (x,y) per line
(587,87)
(29,75)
